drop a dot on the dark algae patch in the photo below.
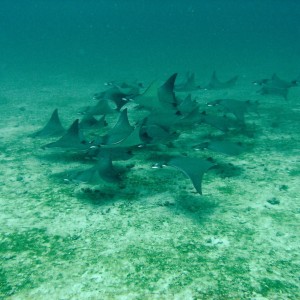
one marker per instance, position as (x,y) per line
(25,257)
(123,179)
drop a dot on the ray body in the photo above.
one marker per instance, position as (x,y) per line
(189,85)
(133,139)
(187,105)
(119,132)
(73,139)
(220,122)
(276,82)
(103,107)
(274,91)
(102,170)
(194,168)
(90,122)
(237,107)
(222,146)
(166,93)
(115,94)
(149,98)
(52,128)
(216,84)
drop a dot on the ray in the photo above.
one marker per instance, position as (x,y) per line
(276,82)
(102,170)
(166,93)
(73,139)
(119,132)
(103,107)
(194,168)
(154,134)
(237,107)
(216,84)
(187,105)
(189,85)
(52,128)
(149,98)
(222,146)
(220,122)
(274,91)
(133,139)
(163,118)
(117,154)
(114,94)
(90,122)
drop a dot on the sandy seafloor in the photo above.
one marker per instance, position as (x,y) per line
(153,238)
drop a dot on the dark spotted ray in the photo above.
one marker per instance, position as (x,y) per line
(128,88)
(187,105)
(220,122)
(133,139)
(149,98)
(52,128)
(237,107)
(166,93)
(276,82)
(275,86)
(273,91)
(73,139)
(163,118)
(216,84)
(102,170)
(114,94)
(153,134)
(225,147)
(119,132)
(102,107)
(90,122)
(194,168)
(189,85)
(158,99)
(117,154)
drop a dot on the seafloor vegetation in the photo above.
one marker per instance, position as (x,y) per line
(150,236)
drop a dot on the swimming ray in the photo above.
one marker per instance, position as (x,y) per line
(276,82)
(163,118)
(114,94)
(133,139)
(222,146)
(149,98)
(52,128)
(117,154)
(166,93)
(280,83)
(189,85)
(194,168)
(102,170)
(155,134)
(73,139)
(237,107)
(274,91)
(187,105)
(220,122)
(119,132)
(90,122)
(216,84)
(103,107)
